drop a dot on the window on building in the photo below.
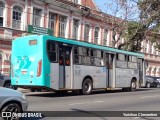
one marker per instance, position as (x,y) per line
(105,37)
(1,61)
(158,52)
(86,32)
(52,21)
(17,17)
(75,1)
(1,12)
(145,50)
(75,28)
(37,17)
(151,49)
(96,35)
(62,26)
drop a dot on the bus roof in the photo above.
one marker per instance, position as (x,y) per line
(85,44)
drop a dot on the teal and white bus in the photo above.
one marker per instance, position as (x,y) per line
(47,62)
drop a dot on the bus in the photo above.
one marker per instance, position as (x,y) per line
(61,65)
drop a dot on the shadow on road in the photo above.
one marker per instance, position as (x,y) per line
(95,92)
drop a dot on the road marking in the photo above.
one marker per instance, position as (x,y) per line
(150,96)
(85,103)
(98,101)
(136,117)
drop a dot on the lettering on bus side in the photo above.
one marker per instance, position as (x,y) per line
(23,63)
(125,73)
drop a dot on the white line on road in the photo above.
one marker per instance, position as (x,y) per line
(150,96)
(85,103)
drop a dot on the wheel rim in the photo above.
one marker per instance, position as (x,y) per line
(87,87)
(133,85)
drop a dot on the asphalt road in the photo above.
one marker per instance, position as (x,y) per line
(141,100)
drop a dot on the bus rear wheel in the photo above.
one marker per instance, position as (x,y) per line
(133,85)
(87,86)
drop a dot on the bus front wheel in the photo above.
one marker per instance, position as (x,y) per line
(87,86)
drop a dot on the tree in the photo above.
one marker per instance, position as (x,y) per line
(124,13)
(150,15)
(135,30)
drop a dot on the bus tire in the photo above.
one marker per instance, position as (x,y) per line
(87,86)
(133,85)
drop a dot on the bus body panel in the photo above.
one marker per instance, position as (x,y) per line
(98,75)
(61,77)
(111,82)
(54,76)
(68,77)
(25,60)
(124,77)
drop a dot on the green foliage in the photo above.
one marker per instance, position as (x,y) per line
(147,27)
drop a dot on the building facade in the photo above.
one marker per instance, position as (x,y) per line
(73,19)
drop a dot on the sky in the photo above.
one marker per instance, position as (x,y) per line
(101,5)
(108,6)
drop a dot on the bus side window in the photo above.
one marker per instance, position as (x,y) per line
(76,60)
(52,51)
(68,50)
(102,59)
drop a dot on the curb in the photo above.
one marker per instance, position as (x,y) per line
(23,90)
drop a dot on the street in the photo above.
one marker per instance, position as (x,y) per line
(141,100)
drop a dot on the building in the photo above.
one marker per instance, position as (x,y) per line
(73,19)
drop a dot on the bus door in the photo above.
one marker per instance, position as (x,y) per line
(140,68)
(64,66)
(110,70)
(107,69)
